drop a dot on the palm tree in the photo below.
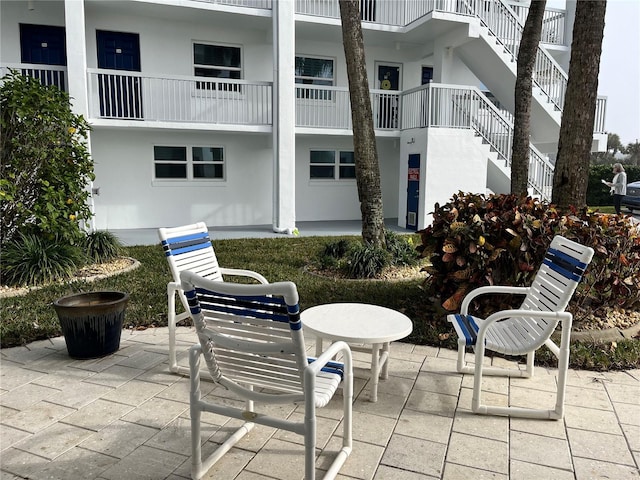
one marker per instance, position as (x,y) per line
(364,139)
(571,173)
(521,121)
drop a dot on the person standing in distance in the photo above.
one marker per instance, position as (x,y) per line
(618,186)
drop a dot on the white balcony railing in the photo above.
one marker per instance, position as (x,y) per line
(131,95)
(47,74)
(330,107)
(499,17)
(264,4)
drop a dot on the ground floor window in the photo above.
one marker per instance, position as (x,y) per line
(188,163)
(332,165)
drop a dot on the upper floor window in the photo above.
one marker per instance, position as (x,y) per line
(314,71)
(217,61)
(322,165)
(183,163)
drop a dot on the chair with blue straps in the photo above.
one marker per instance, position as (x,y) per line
(252,343)
(524,330)
(189,247)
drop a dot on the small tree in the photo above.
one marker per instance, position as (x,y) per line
(45,165)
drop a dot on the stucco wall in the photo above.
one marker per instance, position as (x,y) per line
(338,199)
(451,160)
(129,198)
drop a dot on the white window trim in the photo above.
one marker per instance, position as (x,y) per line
(332,97)
(336,166)
(190,179)
(205,93)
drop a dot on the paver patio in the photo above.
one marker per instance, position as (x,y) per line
(125,417)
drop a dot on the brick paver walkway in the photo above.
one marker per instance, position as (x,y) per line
(125,417)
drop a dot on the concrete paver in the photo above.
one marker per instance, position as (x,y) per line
(125,416)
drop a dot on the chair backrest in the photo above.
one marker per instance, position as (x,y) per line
(556,281)
(189,247)
(251,335)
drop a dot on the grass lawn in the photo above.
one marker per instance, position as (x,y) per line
(31,317)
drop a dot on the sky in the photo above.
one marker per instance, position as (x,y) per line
(619,77)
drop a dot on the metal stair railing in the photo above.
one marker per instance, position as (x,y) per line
(503,23)
(453,106)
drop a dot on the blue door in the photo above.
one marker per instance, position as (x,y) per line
(120,95)
(44,45)
(413,191)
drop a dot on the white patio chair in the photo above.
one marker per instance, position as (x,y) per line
(524,330)
(252,343)
(189,247)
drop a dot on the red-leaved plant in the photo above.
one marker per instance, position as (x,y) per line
(477,240)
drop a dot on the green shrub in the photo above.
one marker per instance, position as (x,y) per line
(366,261)
(44,162)
(337,248)
(30,260)
(357,260)
(402,252)
(480,240)
(102,246)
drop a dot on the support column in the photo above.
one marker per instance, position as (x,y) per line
(76,56)
(284,117)
(74,19)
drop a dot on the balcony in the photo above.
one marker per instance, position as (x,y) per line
(116,95)
(47,74)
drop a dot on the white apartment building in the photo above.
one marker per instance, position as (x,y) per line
(236,112)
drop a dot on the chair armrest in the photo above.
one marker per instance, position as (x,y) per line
(327,356)
(561,316)
(244,273)
(491,289)
(173,287)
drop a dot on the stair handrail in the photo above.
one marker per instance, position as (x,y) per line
(548,75)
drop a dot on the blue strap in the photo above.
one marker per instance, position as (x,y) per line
(469,328)
(564,264)
(336,368)
(186,243)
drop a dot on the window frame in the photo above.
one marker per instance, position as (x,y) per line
(337,165)
(210,84)
(327,95)
(189,164)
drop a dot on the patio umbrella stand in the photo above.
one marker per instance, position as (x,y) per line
(92,322)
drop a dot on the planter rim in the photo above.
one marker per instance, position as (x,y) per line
(111,297)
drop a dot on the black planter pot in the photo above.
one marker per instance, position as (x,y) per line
(92,322)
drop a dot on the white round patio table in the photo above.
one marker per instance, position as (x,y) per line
(359,323)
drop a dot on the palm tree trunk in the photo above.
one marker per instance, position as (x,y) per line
(524,82)
(364,139)
(571,173)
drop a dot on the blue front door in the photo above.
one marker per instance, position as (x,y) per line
(44,45)
(120,95)
(413,191)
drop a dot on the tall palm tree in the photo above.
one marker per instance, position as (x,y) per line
(364,139)
(524,82)
(571,173)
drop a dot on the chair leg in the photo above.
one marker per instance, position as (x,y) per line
(171,320)
(462,366)
(195,412)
